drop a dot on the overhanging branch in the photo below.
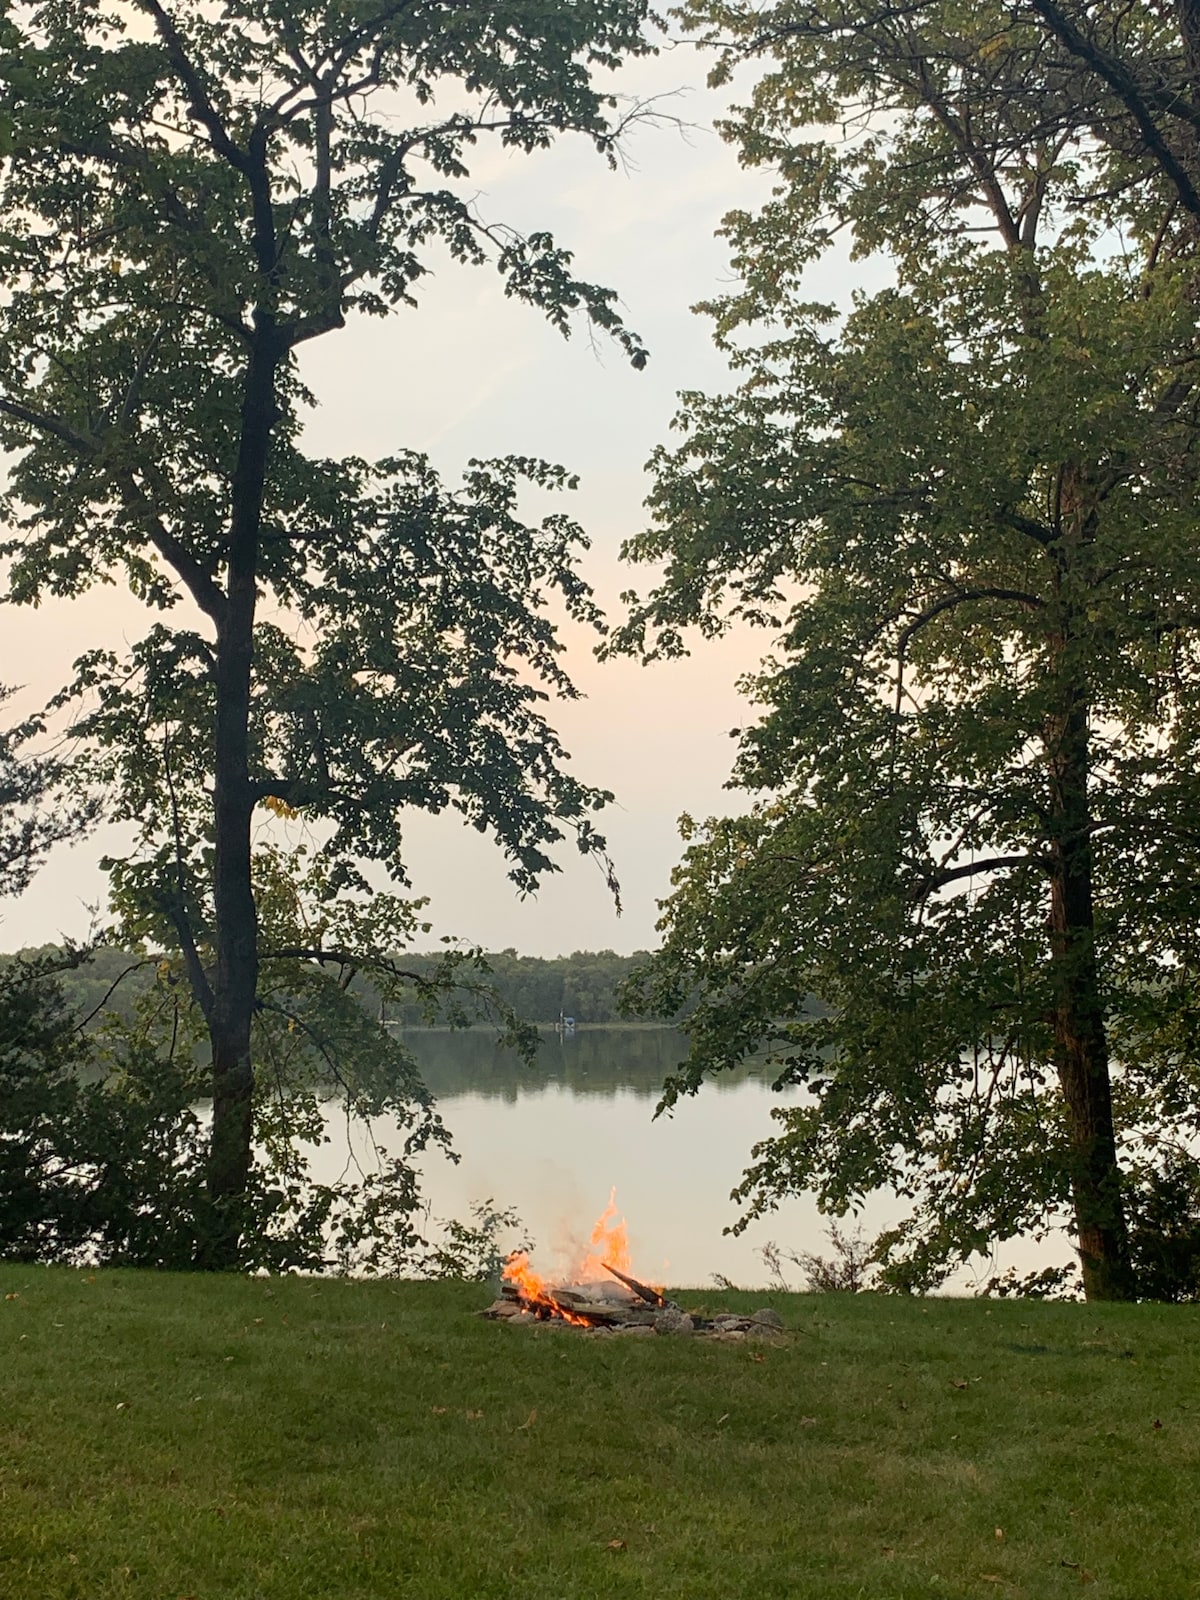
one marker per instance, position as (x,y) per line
(970,869)
(960,597)
(1133,96)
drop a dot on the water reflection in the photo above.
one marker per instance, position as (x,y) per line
(594,1061)
(550,1139)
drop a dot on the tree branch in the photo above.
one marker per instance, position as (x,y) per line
(959,597)
(198,97)
(351,958)
(110,991)
(200,583)
(1132,96)
(176,909)
(1027,525)
(47,422)
(969,869)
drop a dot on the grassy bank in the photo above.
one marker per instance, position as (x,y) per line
(169,1437)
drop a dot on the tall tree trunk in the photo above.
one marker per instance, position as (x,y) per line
(1080,1036)
(1080,1039)
(235,982)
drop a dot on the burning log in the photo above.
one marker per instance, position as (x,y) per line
(594,1308)
(650,1296)
(588,1305)
(588,1302)
(595,1305)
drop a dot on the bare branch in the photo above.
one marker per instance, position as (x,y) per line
(197,976)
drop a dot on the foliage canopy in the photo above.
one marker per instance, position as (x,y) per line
(190,196)
(967,504)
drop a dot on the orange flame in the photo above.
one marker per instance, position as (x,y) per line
(609,1244)
(533,1289)
(608,1247)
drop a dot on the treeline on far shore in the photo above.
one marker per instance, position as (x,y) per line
(583,985)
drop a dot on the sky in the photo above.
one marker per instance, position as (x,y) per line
(470,373)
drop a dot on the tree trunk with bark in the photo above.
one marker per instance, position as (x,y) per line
(1080,1038)
(235,980)
(1080,1035)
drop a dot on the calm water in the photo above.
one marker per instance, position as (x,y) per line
(551,1141)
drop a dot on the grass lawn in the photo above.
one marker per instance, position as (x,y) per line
(169,1437)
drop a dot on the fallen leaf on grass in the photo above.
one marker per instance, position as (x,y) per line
(808,1422)
(439,1411)
(889,1551)
(616,1544)
(529,1421)
(1156,1423)
(757,1355)
(473,1416)
(999,1534)
(959,1383)
(991,1577)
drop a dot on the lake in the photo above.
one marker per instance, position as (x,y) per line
(552,1140)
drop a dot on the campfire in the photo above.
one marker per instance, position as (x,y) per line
(602,1295)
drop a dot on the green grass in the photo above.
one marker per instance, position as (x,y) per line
(226,1439)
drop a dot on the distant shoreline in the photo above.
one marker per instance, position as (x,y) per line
(542,1027)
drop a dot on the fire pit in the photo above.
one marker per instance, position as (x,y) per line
(602,1296)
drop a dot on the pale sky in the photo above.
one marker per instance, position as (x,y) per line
(470,373)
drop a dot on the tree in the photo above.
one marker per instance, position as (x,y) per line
(192,196)
(99,1154)
(969,506)
(103,1149)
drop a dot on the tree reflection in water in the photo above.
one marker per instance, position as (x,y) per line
(593,1061)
